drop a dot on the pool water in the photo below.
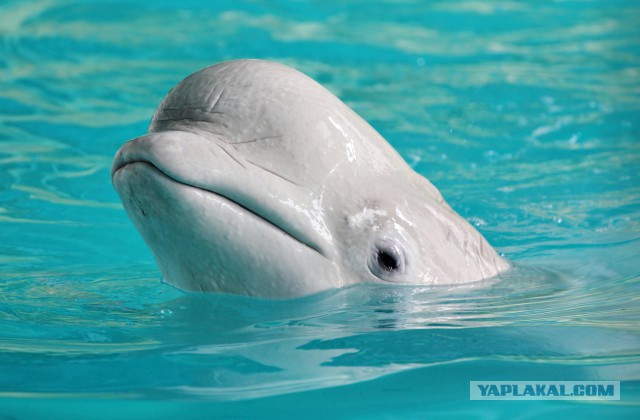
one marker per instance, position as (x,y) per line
(526,115)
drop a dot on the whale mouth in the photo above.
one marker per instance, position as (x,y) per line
(120,163)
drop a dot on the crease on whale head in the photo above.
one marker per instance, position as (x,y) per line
(254,179)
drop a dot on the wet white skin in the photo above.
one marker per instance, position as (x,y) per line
(254,179)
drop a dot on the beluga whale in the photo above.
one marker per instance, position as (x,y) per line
(253,179)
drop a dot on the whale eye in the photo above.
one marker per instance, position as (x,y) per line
(387,261)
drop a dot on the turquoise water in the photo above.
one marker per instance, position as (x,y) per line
(525,114)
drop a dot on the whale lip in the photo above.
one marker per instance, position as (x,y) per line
(121,162)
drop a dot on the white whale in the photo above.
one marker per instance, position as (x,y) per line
(254,179)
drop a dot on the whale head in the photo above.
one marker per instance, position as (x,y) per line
(254,179)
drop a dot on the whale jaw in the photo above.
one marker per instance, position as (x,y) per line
(205,242)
